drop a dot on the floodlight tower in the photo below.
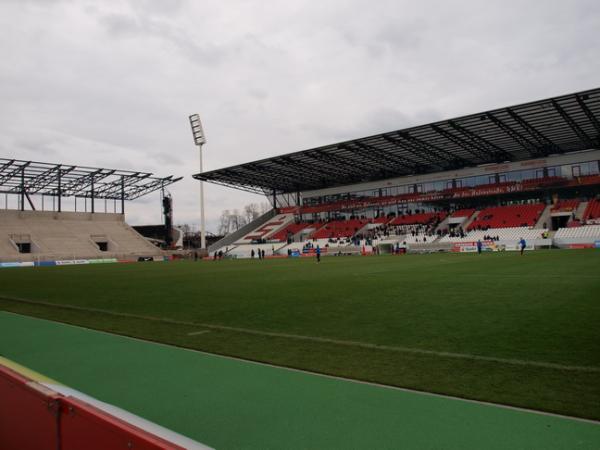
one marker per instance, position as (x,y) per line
(199,140)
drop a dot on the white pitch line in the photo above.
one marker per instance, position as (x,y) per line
(325,340)
(196,333)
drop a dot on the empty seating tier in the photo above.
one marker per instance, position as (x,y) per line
(70,235)
(592,212)
(339,229)
(588,231)
(463,213)
(290,230)
(380,220)
(265,230)
(508,216)
(565,206)
(422,219)
(512,234)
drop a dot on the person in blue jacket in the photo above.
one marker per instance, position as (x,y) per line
(479,246)
(318,253)
(522,245)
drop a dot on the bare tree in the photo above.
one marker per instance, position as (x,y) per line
(251,212)
(231,221)
(265,207)
(236,220)
(185,228)
(224,223)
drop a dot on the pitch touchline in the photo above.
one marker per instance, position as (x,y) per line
(519,362)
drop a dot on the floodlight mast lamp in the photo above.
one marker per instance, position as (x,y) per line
(199,140)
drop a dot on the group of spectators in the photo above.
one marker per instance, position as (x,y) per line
(259,252)
(457,232)
(217,255)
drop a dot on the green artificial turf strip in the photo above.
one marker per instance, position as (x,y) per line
(542,307)
(232,404)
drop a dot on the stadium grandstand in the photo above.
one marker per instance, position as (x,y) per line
(527,171)
(40,229)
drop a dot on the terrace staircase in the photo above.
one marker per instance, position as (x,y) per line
(545,218)
(467,222)
(443,225)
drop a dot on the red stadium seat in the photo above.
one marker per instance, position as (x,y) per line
(508,216)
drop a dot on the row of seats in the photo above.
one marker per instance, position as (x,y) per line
(495,217)
(508,216)
(588,231)
(592,211)
(290,230)
(70,235)
(463,213)
(511,234)
(422,218)
(339,229)
(565,205)
(265,229)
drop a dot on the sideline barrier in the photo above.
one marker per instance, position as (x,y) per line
(471,247)
(84,426)
(30,414)
(35,417)
(74,262)
(16,264)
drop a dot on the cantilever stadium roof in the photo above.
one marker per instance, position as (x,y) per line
(556,125)
(66,180)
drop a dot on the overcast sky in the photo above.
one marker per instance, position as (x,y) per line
(111,83)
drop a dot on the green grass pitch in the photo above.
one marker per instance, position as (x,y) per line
(499,327)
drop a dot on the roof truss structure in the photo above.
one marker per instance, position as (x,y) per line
(63,180)
(536,129)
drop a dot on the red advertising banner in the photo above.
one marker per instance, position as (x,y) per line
(449,194)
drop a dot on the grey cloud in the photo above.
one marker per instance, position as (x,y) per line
(112,83)
(121,24)
(134,24)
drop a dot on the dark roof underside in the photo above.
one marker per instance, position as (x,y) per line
(53,179)
(532,130)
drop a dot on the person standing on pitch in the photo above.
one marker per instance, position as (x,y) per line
(479,246)
(318,253)
(522,244)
